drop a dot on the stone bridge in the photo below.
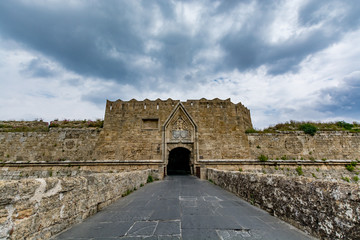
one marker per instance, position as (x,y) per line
(182,207)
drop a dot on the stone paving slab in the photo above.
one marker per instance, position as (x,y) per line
(182,207)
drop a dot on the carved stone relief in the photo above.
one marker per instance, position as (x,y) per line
(180,129)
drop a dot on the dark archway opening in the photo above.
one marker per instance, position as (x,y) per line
(179,162)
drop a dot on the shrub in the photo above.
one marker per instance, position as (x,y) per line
(263,158)
(150,179)
(308,128)
(284,157)
(299,170)
(356,178)
(345,125)
(251,130)
(349,167)
(240,169)
(345,179)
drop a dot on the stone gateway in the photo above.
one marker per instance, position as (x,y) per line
(178,135)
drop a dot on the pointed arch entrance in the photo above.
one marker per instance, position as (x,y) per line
(179,162)
(179,142)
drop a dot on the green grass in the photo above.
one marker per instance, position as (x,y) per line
(127,193)
(150,179)
(351,167)
(309,127)
(40,126)
(345,179)
(299,170)
(76,123)
(263,158)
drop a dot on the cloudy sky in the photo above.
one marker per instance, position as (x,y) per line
(284,60)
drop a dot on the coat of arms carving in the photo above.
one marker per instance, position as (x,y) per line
(180,130)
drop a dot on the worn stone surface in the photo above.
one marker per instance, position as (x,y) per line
(329,210)
(55,145)
(298,145)
(40,208)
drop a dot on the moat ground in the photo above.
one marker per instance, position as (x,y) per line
(182,207)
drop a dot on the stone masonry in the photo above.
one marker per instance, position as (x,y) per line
(326,209)
(39,208)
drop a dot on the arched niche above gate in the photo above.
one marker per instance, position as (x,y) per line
(179,127)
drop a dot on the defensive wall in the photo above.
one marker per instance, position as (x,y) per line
(298,145)
(143,136)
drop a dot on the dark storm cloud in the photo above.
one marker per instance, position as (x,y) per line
(344,99)
(80,39)
(249,48)
(249,51)
(104,39)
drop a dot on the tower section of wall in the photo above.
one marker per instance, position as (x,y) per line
(221,128)
(133,130)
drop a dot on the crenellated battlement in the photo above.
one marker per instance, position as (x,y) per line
(158,103)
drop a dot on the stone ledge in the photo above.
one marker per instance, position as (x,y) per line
(272,162)
(80,163)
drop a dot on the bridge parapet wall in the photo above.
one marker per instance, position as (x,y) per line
(326,209)
(40,208)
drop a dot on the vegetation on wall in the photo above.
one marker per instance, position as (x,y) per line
(24,126)
(77,123)
(309,127)
(41,126)
(263,158)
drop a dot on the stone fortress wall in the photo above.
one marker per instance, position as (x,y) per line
(298,145)
(56,145)
(133,132)
(138,136)
(133,129)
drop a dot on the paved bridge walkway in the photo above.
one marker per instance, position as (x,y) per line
(182,207)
